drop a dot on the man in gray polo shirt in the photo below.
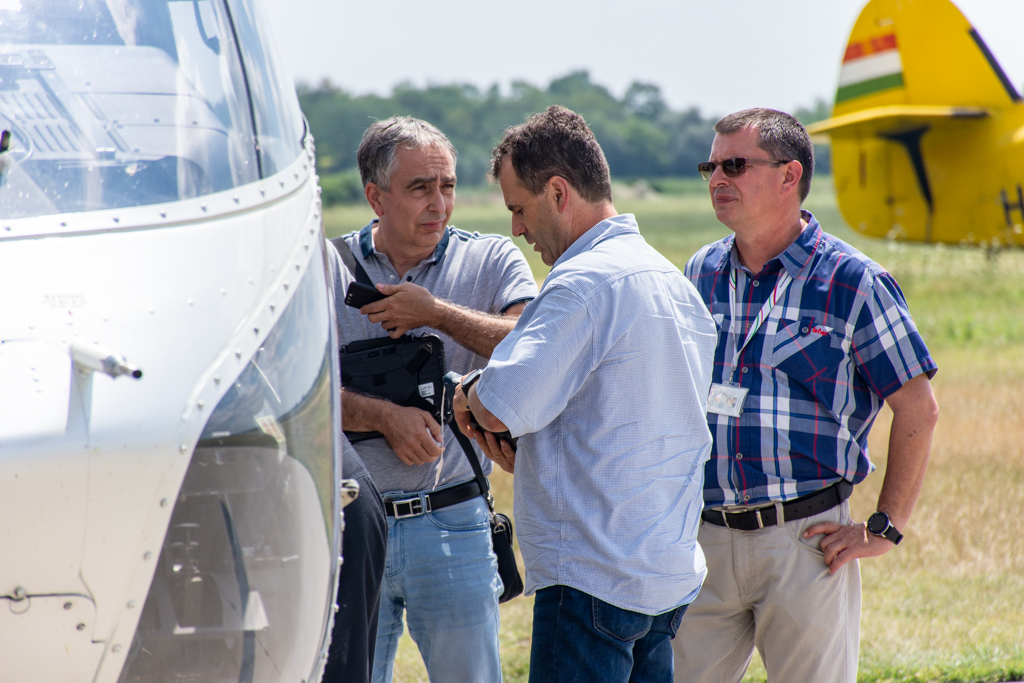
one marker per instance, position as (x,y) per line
(469,289)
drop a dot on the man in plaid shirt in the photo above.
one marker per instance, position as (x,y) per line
(813,338)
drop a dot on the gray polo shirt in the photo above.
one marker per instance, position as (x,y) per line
(486,273)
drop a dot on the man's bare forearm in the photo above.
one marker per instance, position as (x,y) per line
(408,306)
(910,440)
(478,332)
(362,413)
(413,434)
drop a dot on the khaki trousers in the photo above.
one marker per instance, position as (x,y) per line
(771,589)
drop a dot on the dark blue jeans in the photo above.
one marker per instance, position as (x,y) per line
(578,638)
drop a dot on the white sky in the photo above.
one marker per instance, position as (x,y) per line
(720,55)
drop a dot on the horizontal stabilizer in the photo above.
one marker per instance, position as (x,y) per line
(870,122)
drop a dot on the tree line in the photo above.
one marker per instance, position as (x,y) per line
(642,137)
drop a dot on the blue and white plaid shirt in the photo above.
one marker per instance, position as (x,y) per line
(838,342)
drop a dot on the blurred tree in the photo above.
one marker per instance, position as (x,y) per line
(641,135)
(645,101)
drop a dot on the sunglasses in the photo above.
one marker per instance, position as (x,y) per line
(732,167)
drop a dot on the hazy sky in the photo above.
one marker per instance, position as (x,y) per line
(721,55)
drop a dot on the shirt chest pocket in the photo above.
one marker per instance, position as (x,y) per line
(807,353)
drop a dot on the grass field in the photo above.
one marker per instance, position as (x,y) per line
(948,604)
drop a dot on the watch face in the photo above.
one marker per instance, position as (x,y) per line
(878,523)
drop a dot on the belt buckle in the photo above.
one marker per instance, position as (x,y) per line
(727,510)
(415,507)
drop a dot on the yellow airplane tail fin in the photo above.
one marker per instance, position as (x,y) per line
(917,87)
(918,52)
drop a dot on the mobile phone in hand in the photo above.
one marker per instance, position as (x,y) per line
(358,295)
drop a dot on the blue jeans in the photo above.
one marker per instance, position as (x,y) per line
(442,573)
(579,639)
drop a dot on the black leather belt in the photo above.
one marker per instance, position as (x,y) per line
(435,500)
(804,506)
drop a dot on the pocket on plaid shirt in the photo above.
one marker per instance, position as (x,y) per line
(808,354)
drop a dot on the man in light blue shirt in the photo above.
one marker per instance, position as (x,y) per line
(604,379)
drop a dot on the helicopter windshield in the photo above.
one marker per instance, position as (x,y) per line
(117,103)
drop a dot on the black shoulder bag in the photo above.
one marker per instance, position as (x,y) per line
(408,371)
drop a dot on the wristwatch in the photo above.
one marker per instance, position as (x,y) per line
(469,380)
(879,525)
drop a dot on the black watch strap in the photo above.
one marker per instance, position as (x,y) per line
(893,535)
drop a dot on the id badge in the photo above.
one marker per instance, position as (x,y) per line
(726,399)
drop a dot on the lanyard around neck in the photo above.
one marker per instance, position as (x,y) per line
(781,285)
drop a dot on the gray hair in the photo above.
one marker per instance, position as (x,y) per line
(376,155)
(779,134)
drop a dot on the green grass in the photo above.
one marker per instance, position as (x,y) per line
(947,604)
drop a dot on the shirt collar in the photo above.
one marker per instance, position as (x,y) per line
(796,255)
(366,241)
(623,224)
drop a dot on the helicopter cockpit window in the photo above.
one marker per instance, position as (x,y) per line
(117,103)
(279,126)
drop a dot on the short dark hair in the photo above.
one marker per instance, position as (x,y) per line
(780,135)
(377,151)
(556,142)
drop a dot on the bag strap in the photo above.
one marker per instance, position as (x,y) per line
(474,462)
(467,448)
(350,261)
(415,363)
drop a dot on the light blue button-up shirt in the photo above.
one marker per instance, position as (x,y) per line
(605,380)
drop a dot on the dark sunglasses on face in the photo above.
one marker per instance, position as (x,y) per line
(732,167)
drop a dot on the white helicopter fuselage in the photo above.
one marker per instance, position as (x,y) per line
(184,523)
